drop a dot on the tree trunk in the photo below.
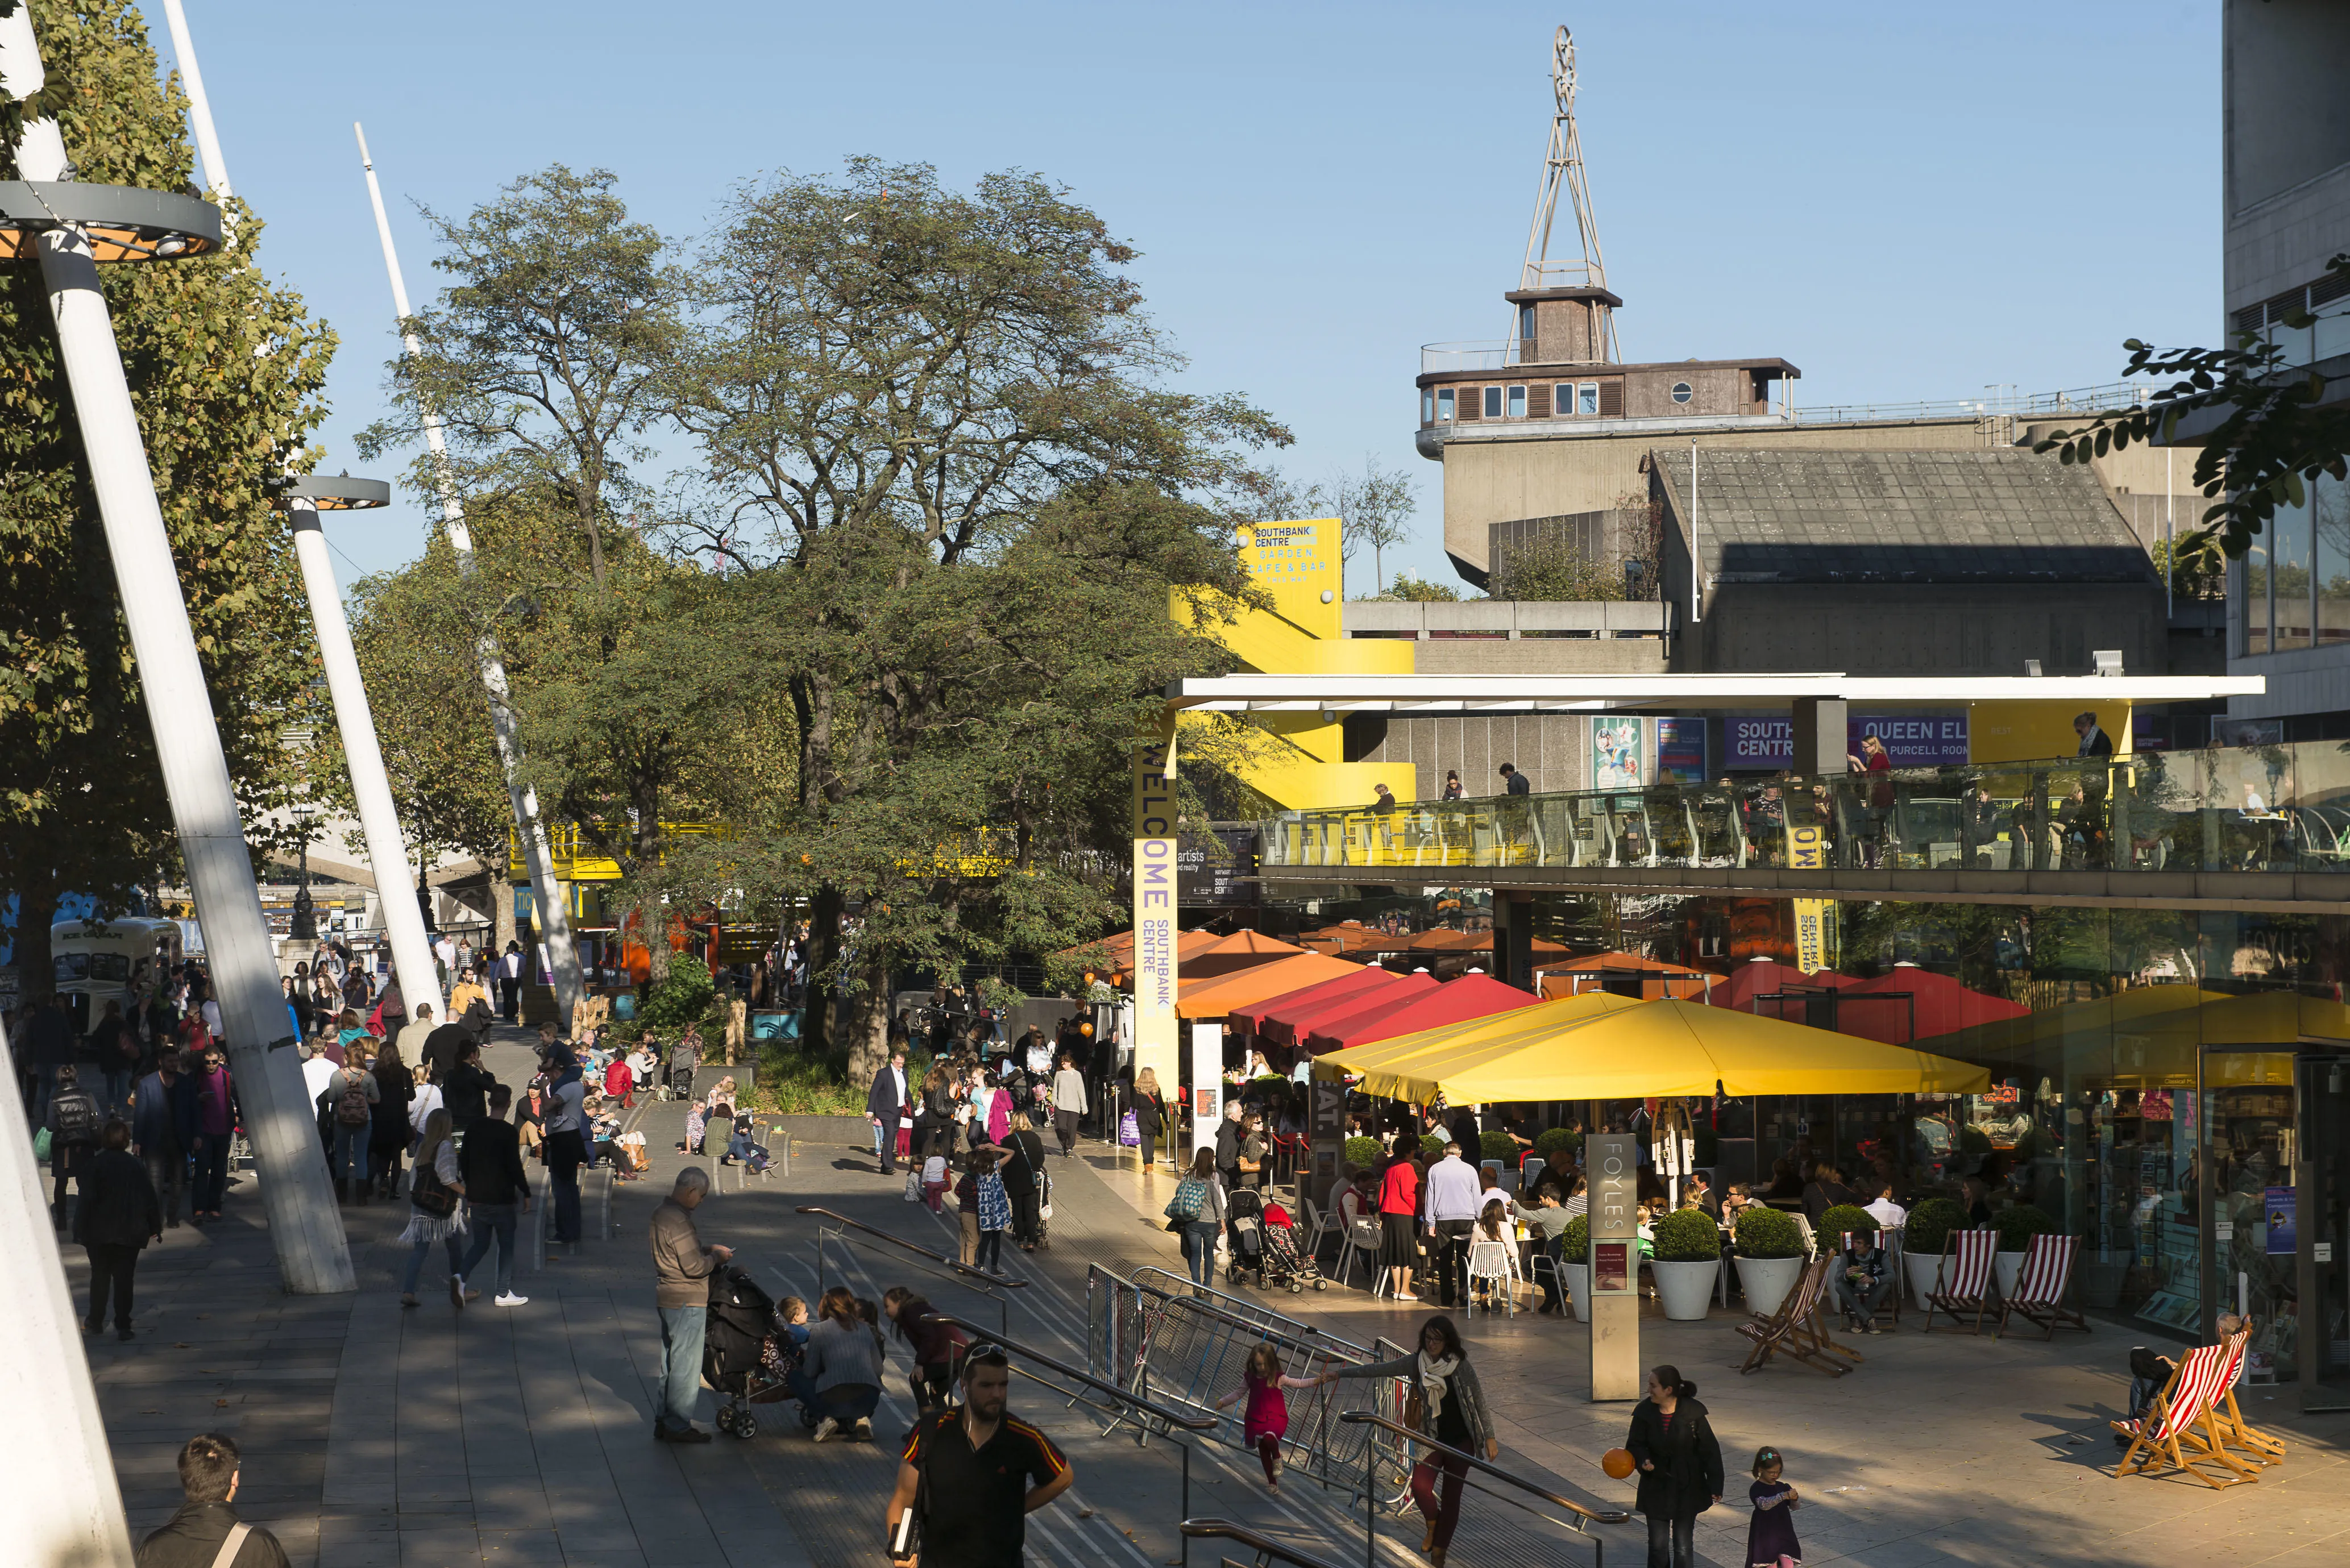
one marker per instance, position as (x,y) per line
(867,1024)
(501,903)
(824,951)
(653,920)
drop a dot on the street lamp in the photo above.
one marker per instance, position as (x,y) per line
(302,499)
(304,926)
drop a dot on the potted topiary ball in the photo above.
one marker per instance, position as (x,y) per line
(2017,1225)
(1432,1144)
(1501,1146)
(1840,1220)
(1574,1265)
(1686,1263)
(1556,1138)
(1930,1224)
(1770,1252)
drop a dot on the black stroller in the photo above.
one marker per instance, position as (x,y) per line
(1245,1233)
(747,1356)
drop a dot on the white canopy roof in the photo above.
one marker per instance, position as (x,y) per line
(1572,693)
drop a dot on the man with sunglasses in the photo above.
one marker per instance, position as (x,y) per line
(966,1472)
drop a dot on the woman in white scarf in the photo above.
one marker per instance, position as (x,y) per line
(1452,1410)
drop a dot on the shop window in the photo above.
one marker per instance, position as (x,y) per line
(2289,568)
(1444,405)
(1517,409)
(2252,596)
(2331,500)
(1492,402)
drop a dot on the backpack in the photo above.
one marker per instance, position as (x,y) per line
(351,1108)
(1190,1197)
(76,1118)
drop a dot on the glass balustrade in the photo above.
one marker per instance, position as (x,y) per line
(2281,808)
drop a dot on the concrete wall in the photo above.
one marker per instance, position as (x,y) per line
(1489,481)
(1893,629)
(1550,749)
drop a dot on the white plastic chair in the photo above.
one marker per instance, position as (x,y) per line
(1362,1240)
(1493,1265)
(1318,1225)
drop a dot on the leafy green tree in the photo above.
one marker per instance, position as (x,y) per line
(1549,567)
(544,358)
(1409,589)
(934,425)
(225,371)
(2271,430)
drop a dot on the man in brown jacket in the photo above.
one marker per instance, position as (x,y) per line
(681,1270)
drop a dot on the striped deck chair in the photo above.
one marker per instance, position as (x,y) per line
(1962,1279)
(2041,1286)
(1799,1328)
(2234,1431)
(2181,1429)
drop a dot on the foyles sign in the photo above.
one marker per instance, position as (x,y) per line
(1914,739)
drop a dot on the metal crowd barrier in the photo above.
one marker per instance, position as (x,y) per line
(1187,1346)
(937,1265)
(1402,1439)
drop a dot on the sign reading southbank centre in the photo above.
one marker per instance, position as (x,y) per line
(1155,901)
(1923,739)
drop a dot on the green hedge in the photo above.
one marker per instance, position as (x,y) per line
(1930,1224)
(2018,1225)
(1555,1138)
(1687,1236)
(682,999)
(1432,1143)
(1574,1241)
(1499,1146)
(1363,1153)
(1768,1234)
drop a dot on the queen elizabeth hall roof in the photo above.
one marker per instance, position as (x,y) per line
(1997,515)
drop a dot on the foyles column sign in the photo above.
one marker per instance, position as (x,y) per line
(1155,1042)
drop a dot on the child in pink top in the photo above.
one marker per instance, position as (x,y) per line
(1267,1420)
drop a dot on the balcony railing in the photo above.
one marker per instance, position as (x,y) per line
(2284,808)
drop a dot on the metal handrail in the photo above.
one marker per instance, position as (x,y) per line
(1197,1304)
(1159,1412)
(1268,1552)
(956,1271)
(1580,1518)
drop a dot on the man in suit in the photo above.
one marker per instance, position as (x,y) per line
(885,1103)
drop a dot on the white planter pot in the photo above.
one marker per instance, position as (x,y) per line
(1767,1280)
(1686,1288)
(1921,1275)
(1578,1287)
(2005,1266)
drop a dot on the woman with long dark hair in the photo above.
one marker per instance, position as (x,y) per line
(1681,1465)
(1451,1409)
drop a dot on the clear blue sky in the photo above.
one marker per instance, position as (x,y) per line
(1908,202)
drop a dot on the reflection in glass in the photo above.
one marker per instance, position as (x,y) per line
(2252,607)
(2289,559)
(2332,508)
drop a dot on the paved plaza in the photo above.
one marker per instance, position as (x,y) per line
(380,1438)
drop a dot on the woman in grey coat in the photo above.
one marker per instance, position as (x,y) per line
(1451,1411)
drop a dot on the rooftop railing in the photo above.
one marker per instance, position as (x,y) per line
(2277,808)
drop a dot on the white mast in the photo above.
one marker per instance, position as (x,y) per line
(547,894)
(411,949)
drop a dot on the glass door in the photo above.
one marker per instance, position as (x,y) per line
(2324,1246)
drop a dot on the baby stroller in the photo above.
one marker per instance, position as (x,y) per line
(1285,1260)
(746,1356)
(1244,1231)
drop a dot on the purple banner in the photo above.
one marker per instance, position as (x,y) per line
(1912,740)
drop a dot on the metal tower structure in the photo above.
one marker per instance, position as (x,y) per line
(1562,169)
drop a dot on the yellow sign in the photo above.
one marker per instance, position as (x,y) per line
(1808,851)
(1155,1030)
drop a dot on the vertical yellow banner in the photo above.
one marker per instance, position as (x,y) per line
(1806,851)
(1155,1034)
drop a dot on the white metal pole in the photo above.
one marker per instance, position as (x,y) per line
(313,1258)
(67,1507)
(411,950)
(547,894)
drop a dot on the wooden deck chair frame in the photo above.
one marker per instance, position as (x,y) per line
(2043,1284)
(1962,1278)
(1798,1328)
(2181,1428)
(2234,1431)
